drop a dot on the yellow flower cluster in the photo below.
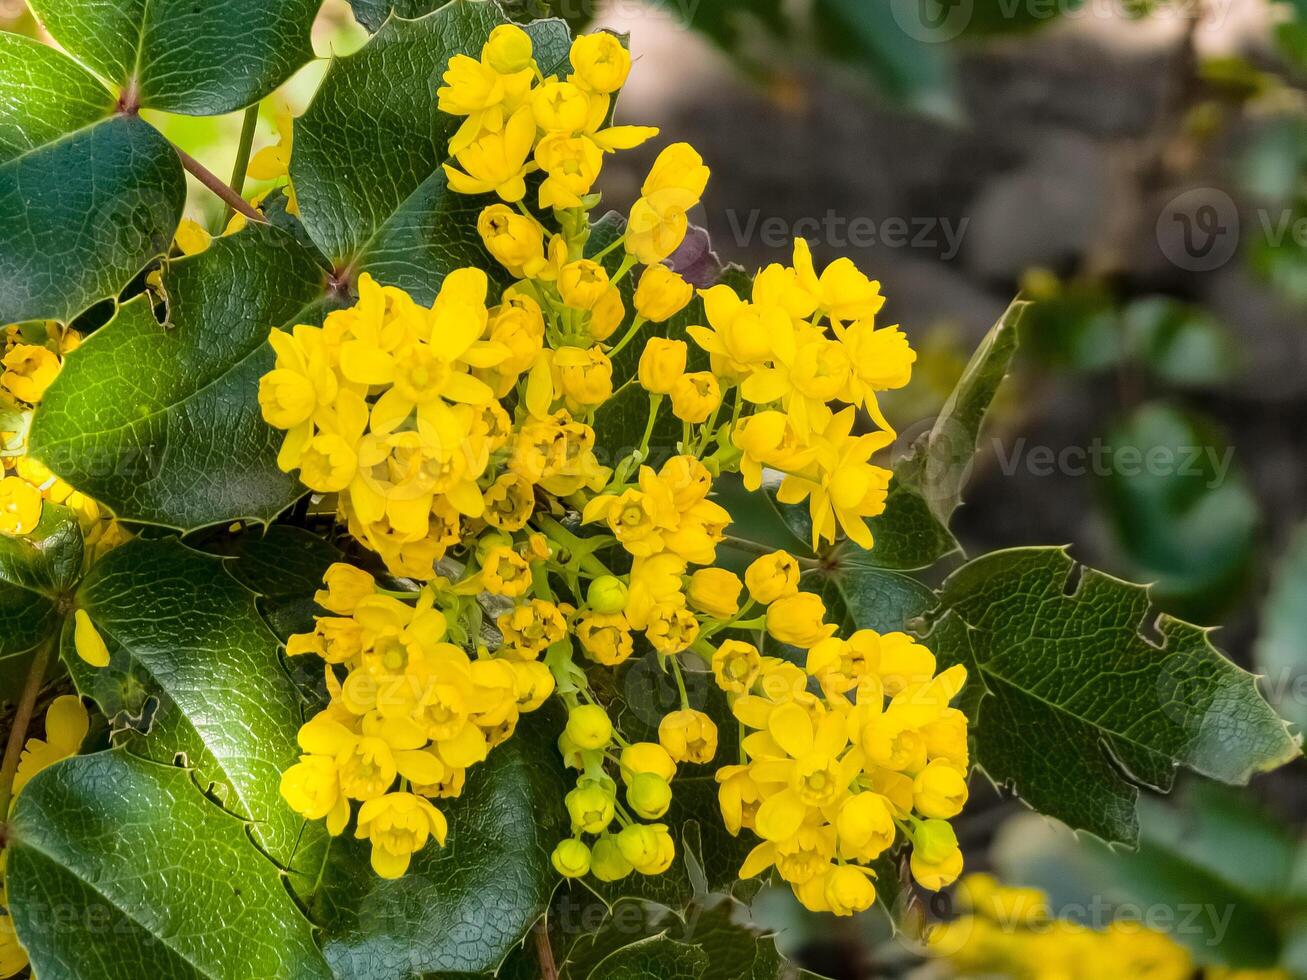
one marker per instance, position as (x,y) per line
(829,779)
(458,444)
(1010,932)
(33,355)
(411,715)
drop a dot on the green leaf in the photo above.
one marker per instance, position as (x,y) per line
(162,423)
(461,908)
(201,59)
(87,198)
(862,598)
(119,868)
(1281,649)
(1066,653)
(373,13)
(195,674)
(36,572)
(1179,343)
(655,958)
(284,567)
(366,162)
(1183,515)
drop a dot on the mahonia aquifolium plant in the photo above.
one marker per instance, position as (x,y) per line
(459,440)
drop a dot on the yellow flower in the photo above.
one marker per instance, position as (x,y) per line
(844,292)
(571,165)
(649,795)
(497,161)
(312,788)
(715,592)
(586,376)
(661,294)
(346,587)
(509,502)
(582,283)
(688,736)
(798,620)
(736,665)
(695,396)
(20,506)
(487,97)
(398,825)
(509,49)
(939,791)
(848,889)
(647,847)
(607,862)
(87,641)
(605,637)
(772,577)
(66,725)
(560,107)
(642,757)
(532,627)
(29,370)
(588,726)
(936,859)
(662,364)
(591,806)
(516,241)
(599,62)
(672,628)
(658,222)
(505,572)
(865,826)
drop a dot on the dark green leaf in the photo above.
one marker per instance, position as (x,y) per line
(1076,702)
(285,567)
(119,868)
(862,598)
(1282,644)
(373,13)
(87,198)
(162,423)
(369,148)
(1183,515)
(194,674)
(36,572)
(201,59)
(655,958)
(459,909)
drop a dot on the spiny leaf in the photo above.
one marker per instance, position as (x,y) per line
(161,883)
(1074,704)
(87,198)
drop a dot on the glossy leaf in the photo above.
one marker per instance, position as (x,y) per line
(1118,703)
(366,163)
(196,58)
(459,909)
(162,883)
(195,675)
(655,958)
(284,567)
(87,198)
(162,423)
(36,572)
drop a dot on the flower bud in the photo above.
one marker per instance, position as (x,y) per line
(661,294)
(772,577)
(648,848)
(599,62)
(736,665)
(489,542)
(606,594)
(571,858)
(588,726)
(606,315)
(582,284)
(715,592)
(849,890)
(649,795)
(688,736)
(798,620)
(590,807)
(939,874)
(606,860)
(515,241)
(661,364)
(508,51)
(346,585)
(865,826)
(641,757)
(934,840)
(695,396)
(939,791)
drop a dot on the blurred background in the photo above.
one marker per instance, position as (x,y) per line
(1139,170)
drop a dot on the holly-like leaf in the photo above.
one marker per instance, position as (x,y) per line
(366,163)
(36,571)
(195,675)
(87,197)
(201,59)
(284,567)
(861,598)
(655,958)
(1077,702)
(161,422)
(120,868)
(462,908)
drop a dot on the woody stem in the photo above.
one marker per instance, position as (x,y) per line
(544,952)
(213,183)
(22,718)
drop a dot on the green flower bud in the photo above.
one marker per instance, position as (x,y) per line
(571,858)
(606,860)
(489,540)
(649,795)
(591,808)
(588,727)
(934,840)
(607,594)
